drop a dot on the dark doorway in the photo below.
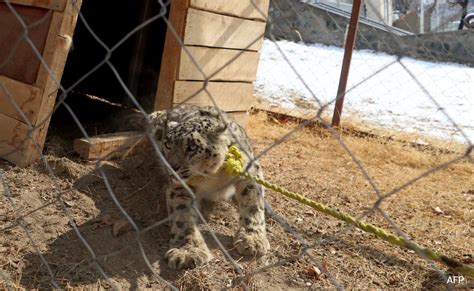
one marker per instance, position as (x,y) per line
(136,60)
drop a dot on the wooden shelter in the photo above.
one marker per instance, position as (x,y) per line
(218,46)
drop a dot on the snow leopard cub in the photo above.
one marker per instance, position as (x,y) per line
(194,141)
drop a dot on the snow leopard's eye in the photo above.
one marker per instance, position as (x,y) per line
(168,144)
(192,147)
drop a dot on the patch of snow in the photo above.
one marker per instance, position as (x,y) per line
(391,98)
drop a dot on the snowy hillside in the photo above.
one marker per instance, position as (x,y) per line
(390,99)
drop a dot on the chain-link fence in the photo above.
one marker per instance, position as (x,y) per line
(68,223)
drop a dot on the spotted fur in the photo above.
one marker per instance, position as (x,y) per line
(194,140)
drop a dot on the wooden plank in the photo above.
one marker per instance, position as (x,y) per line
(106,146)
(27,98)
(58,5)
(18,59)
(304,114)
(239,8)
(113,145)
(241,117)
(52,41)
(231,96)
(171,55)
(55,55)
(13,140)
(215,30)
(218,64)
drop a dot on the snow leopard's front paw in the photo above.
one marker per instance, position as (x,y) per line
(187,257)
(253,243)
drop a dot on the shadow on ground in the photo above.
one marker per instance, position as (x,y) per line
(138,185)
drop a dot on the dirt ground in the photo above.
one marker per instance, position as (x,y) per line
(436,211)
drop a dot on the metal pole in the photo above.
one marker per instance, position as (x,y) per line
(346,62)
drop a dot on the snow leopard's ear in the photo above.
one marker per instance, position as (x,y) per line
(153,122)
(135,121)
(209,111)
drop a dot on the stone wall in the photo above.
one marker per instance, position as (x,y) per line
(296,21)
(454,46)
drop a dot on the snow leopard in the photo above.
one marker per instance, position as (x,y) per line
(194,141)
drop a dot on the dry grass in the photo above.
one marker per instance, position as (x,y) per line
(436,211)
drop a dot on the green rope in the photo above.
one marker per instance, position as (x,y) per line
(234,166)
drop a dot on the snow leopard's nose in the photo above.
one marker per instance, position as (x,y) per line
(175,167)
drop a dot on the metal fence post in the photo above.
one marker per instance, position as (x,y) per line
(346,62)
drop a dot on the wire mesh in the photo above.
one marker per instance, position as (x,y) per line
(104,232)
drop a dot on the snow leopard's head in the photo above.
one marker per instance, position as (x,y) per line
(195,147)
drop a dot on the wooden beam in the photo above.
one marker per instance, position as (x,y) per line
(52,41)
(229,96)
(57,5)
(239,8)
(113,145)
(303,114)
(215,30)
(171,55)
(106,146)
(27,97)
(55,54)
(218,64)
